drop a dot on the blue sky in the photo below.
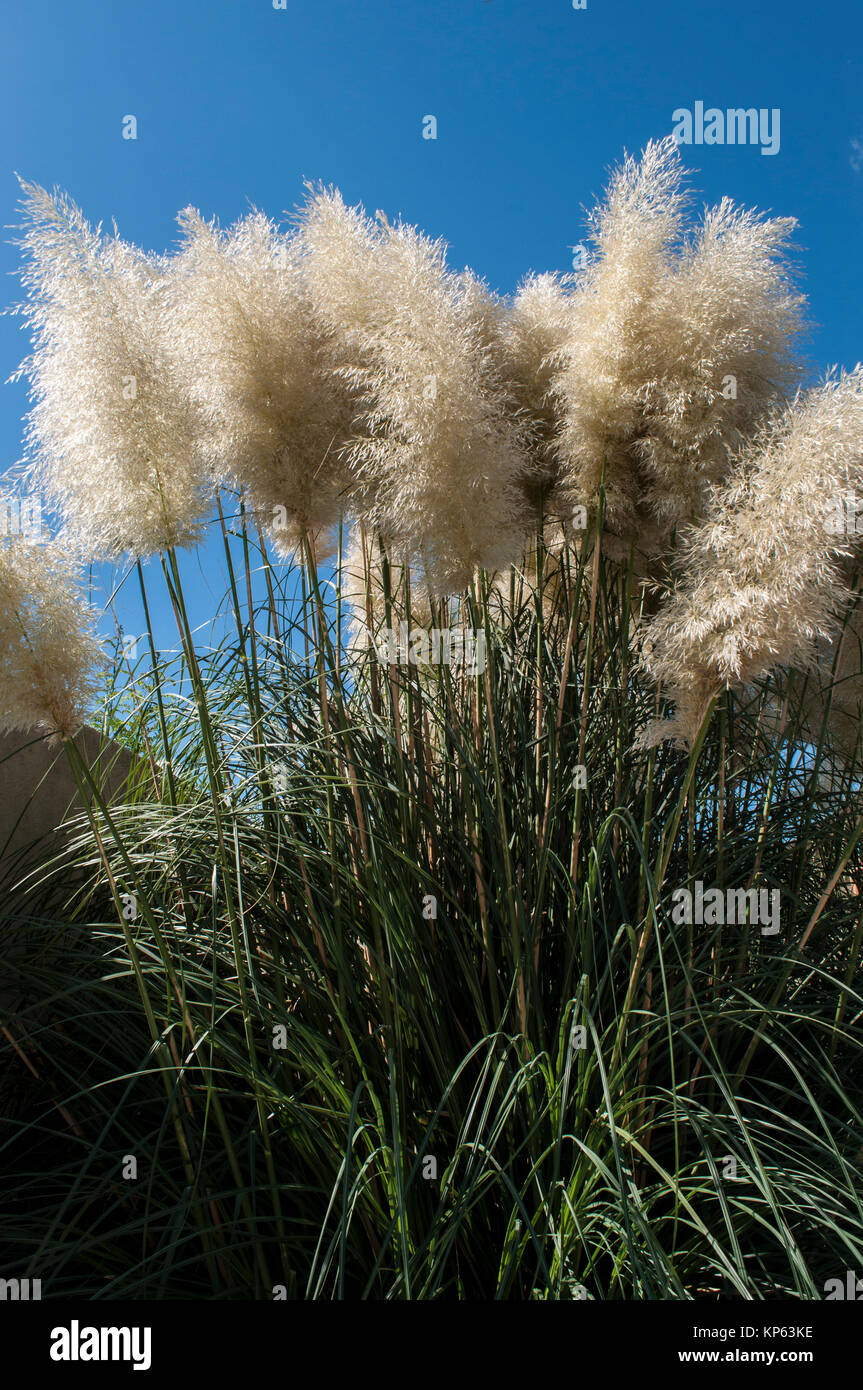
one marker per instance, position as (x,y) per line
(238,102)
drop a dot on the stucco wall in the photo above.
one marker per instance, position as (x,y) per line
(38,790)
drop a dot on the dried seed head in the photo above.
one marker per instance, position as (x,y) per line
(254,360)
(49,654)
(112,437)
(763,582)
(438,456)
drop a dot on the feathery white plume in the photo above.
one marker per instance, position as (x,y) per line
(256,365)
(600,384)
(721,354)
(534,334)
(439,458)
(112,437)
(763,582)
(674,348)
(48,650)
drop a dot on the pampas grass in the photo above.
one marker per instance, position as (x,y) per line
(250,354)
(433,906)
(678,343)
(49,654)
(440,457)
(113,440)
(405,1010)
(766,577)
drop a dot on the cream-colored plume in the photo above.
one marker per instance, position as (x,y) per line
(438,457)
(607,357)
(49,654)
(112,437)
(762,584)
(674,347)
(534,335)
(722,353)
(257,367)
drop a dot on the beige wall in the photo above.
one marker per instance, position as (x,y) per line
(37,790)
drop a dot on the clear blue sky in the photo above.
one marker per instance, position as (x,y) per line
(237,102)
